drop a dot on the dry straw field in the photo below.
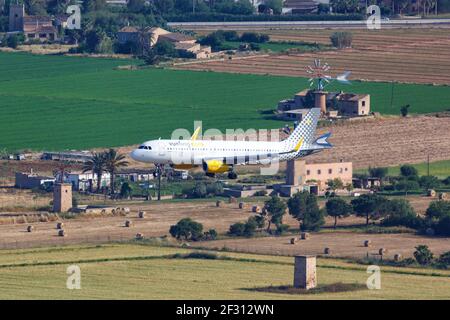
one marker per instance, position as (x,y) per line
(404,55)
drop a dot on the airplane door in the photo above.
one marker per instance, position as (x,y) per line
(161,148)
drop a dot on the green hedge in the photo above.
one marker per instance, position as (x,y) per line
(219,17)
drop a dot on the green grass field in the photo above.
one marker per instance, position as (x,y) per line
(440,169)
(117,271)
(281,46)
(59,102)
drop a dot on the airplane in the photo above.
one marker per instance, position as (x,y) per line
(219,156)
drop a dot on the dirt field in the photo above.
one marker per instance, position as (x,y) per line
(341,245)
(403,55)
(160,216)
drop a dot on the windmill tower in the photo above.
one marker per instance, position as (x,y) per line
(317,75)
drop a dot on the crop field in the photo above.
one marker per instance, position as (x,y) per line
(115,271)
(403,55)
(58,102)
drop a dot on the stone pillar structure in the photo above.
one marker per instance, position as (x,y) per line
(320,101)
(62,197)
(305,272)
(295,172)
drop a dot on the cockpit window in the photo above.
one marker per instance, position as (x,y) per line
(145,147)
(141,147)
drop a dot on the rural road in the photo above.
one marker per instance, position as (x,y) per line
(358,24)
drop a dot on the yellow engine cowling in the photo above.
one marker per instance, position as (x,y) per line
(215,166)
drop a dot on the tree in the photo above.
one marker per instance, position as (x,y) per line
(125,190)
(97,166)
(199,190)
(276,209)
(335,184)
(404,110)
(303,207)
(429,182)
(438,210)
(188,229)
(408,171)
(423,255)
(379,173)
(443,226)
(345,6)
(164,6)
(407,185)
(13,41)
(368,206)
(341,39)
(398,212)
(275,5)
(237,229)
(114,161)
(338,208)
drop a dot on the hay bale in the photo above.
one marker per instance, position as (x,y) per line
(141,214)
(431,193)
(294,240)
(219,203)
(367,243)
(61,233)
(30,229)
(327,251)
(232,200)
(241,205)
(59,225)
(256,209)
(304,235)
(128,223)
(139,236)
(397,257)
(442,196)
(126,210)
(382,251)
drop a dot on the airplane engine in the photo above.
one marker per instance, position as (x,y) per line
(215,166)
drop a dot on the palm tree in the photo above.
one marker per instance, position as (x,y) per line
(97,166)
(113,161)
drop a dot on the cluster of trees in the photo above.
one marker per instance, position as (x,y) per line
(302,206)
(419,7)
(408,180)
(218,38)
(107,161)
(425,257)
(204,190)
(189,229)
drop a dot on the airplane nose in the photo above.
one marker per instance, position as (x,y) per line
(134,155)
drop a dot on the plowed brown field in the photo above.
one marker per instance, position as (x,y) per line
(404,55)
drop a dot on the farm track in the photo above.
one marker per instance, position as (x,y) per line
(409,56)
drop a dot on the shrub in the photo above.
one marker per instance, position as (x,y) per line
(342,39)
(211,234)
(253,37)
(423,255)
(445,258)
(188,229)
(437,210)
(443,226)
(237,229)
(429,182)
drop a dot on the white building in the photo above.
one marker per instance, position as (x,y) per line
(86,181)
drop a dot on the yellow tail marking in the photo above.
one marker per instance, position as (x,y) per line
(299,144)
(196,132)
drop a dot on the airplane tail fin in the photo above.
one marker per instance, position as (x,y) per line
(304,133)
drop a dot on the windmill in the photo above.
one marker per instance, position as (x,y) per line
(317,72)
